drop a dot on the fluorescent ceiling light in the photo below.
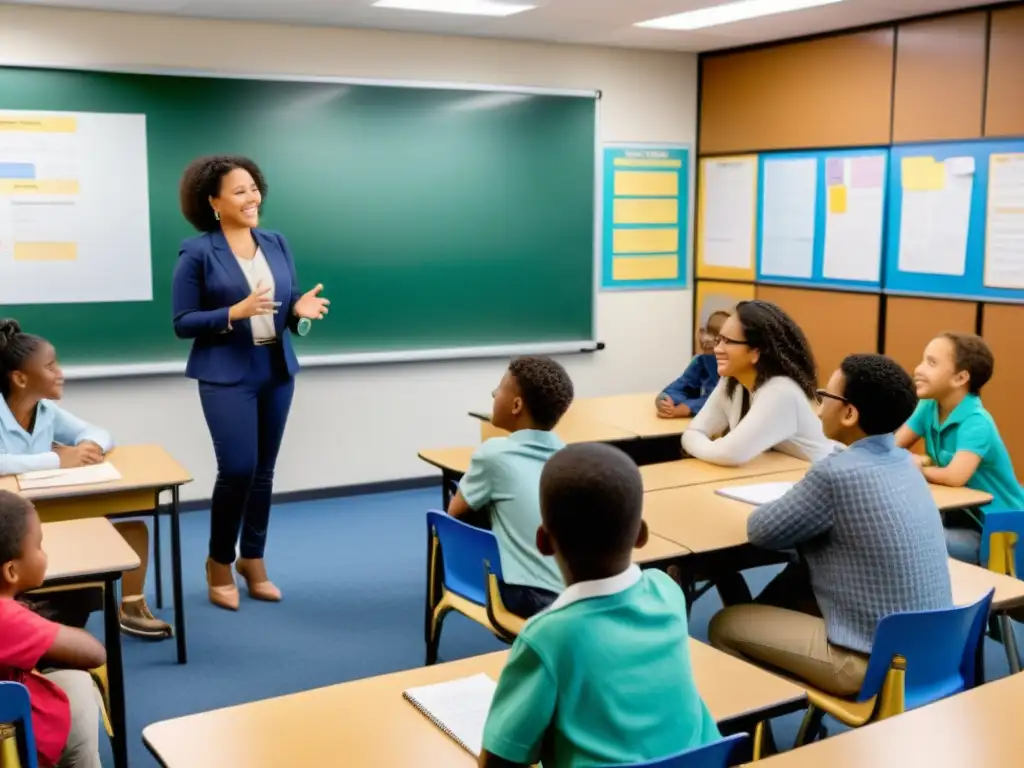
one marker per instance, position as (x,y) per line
(466,7)
(730,12)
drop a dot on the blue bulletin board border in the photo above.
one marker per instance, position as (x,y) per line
(641,150)
(817,278)
(971,285)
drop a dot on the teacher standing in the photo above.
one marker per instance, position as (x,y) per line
(236,295)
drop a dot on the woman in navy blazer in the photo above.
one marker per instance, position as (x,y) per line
(236,295)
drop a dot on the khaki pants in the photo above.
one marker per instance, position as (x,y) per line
(784,629)
(83,747)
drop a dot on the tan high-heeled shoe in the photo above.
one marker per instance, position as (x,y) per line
(222,595)
(255,574)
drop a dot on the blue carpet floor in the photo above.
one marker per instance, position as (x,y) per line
(352,571)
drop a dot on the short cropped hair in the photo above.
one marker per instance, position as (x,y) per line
(591,499)
(972,354)
(14,515)
(720,314)
(881,391)
(546,388)
(201,181)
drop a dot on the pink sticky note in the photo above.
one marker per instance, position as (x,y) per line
(834,170)
(867,171)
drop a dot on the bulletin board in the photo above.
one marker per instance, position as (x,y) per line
(727,217)
(821,218)
(919,263)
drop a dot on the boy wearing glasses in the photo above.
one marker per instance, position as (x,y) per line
(868,535)
(685,396)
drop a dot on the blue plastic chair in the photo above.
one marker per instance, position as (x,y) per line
(917,657)
(1010,564)
(463,575)
(16,711)
(724,753)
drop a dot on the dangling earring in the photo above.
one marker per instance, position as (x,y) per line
(216,215)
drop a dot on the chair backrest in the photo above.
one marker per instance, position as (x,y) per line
(1004,521)
(941,649)
(467,553)
(724,753)
(16,710)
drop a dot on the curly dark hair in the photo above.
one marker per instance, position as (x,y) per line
(14,515)
(972,354)
(881,391)
(546,388)
(201,181)
(15,350)
(784,348)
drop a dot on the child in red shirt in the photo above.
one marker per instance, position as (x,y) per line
(65,715)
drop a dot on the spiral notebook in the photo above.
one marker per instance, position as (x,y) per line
(458,707)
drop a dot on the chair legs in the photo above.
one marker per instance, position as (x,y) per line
(1009,642)
(810,728)
(764,741)
(434,639)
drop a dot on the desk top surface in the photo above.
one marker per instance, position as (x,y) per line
(370,723)
(89,547)
(141,467)
(977,727)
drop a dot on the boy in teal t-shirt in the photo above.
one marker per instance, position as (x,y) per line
(602,676)
(962,442)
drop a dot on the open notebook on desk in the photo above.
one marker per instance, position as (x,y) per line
(758,494)
(458,707)
(104,472)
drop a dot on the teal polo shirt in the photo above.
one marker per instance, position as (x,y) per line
(602,677)
(970,428)
(504,475)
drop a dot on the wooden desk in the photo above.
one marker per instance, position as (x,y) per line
(84,551)
(686,472)
(657,551)
(367,722)
(573,428)
(146,471)
(636,413)
(977,727)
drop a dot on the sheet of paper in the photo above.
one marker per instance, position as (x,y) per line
(104,472)
(1004,244)
(788,211)
(458,707)
(853,219)
(756,494)
(936,216)
(730,193)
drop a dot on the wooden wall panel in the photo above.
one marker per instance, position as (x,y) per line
(1004,109)
(1002,330)
(911,323)
(940,78)
(836,324)
(831,92)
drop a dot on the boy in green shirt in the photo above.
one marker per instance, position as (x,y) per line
(962,443)
(603,676)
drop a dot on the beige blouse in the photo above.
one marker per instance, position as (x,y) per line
(257,272)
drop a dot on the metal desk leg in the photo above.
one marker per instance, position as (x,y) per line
(158,572)
(115,673)
(179,602)
(448,479)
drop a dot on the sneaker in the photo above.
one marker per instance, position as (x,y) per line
(137,621)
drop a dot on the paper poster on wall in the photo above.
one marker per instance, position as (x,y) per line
(1004,241)
(74,208)
(728,206)
(788,210)
(936,212)
(646,212)
(854,216)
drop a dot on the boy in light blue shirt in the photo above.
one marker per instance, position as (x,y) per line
(962,444)
(503,478)
(603,676)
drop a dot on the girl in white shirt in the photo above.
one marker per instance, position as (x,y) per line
(765,398)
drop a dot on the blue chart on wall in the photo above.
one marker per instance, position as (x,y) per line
(956,220)
(821,218)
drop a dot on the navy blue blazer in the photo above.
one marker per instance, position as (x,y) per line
(207,282)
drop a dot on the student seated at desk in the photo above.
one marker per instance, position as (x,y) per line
(686,395)
(962,444)
(503,478)
(867,532)
(65,702)
(603,676)
(765,398)
(36,434)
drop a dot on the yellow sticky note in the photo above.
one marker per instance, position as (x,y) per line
(923,174)
(837,199)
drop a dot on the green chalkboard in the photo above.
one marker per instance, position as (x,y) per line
(435,218)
